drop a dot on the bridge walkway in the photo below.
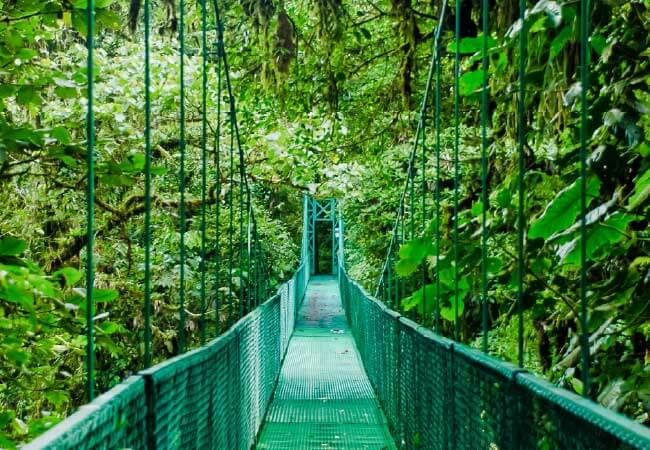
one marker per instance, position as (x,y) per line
(323,397)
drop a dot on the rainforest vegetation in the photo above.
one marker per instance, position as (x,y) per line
(328,94)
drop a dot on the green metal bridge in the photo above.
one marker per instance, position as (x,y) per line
(321,363)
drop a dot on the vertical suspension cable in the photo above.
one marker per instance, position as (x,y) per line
(436,319)
(401,282)
(231,162)
(256,283)
(484,175)
(231,217)
(204,166)
(181,293)
(90,204)
(412,219)
(390,284)
(423,180)
(412,197)
(242,291)
(423,189)
(521,136)
(217,157)
(249,275)
(147,183)
(584,109)
(456,164)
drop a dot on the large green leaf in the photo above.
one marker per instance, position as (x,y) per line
(470,82)
(412,253)
(69,274)
(448,308)
(599,237)
(13,293)
(561,40)
(449,313)
(10,246)
(641,191)
(471,45)
(563,210)
(423,299)
(99,295)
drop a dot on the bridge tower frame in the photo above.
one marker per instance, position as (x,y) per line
(321,210)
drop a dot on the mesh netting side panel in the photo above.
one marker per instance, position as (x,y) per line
(407,432)
(484,408)
(182,394)
(224,379)
(438,395)
(285,307)
(249,376)
(376,331)
(271,354)
(115,419)
(550,418)
(388,386)
(434,375)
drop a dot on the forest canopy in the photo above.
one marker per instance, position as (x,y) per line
(328,94)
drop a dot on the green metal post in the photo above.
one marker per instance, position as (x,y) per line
(484,175)
(147,184)
(456,168)
(436,319)
(217,157)
(585,11)
(204,156)
(90,205)
(181,292)
(521,224)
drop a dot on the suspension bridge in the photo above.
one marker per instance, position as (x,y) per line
(321,363)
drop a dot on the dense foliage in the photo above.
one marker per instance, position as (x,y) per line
(327,96)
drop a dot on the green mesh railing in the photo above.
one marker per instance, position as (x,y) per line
(213,397)
(439,394)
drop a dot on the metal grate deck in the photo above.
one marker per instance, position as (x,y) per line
(323,398)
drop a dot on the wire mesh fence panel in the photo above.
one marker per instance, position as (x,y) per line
(116,419)
(225,393)
(434,395)
(484,401)
(553,418)
(213,397)
(408,385)
(437,394)
(271,354)
(249,373)
(180,394)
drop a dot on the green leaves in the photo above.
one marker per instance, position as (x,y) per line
(563,210)
(471,45)
(99,4)
(470,82)
(16,356)
(69,275)
(61,134)
(99,295)
(560,41)
(27,95)
(600,236)
(551,9)
(424,299)
(412,253)
(10,246)
(641,191)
